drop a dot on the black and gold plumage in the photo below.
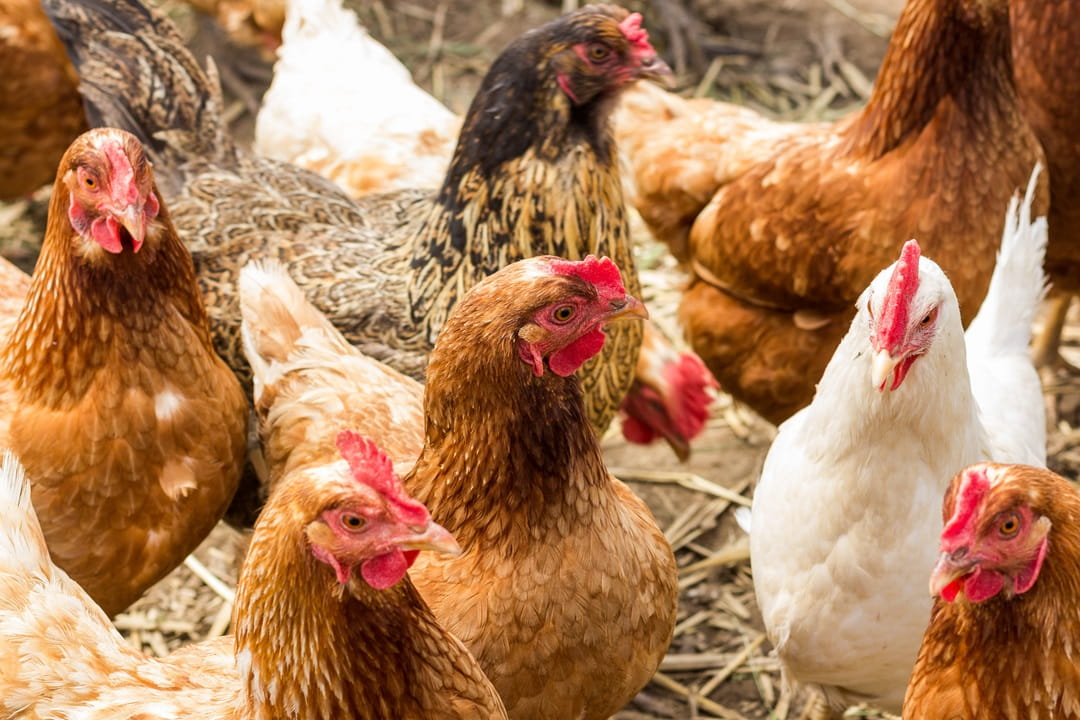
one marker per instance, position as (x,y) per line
(535,173)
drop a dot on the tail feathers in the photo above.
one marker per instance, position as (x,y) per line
(1018,284)
(21,539)
(277,316)
(138,75)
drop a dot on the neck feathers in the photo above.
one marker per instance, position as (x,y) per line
(954,51)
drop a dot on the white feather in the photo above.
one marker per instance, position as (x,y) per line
(342,105)
(847,513)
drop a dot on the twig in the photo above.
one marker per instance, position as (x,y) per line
(703,702)
(727,555)
(732,666)
(688,480)
(215,583)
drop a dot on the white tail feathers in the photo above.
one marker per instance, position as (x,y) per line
(276,315)
(1018,284)
(14,487)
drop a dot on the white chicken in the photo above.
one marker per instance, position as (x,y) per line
(847,513)
(343,106)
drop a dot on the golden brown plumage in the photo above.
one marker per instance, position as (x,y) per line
(40,107)
(314,639)
(799,218)
(1001,640)
(1045,36)
(566,591)
(535,172)
(131,429)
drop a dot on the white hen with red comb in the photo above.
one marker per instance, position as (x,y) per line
(846,515)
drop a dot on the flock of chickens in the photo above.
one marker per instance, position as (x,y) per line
(429,327)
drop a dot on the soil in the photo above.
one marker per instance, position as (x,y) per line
(801,59)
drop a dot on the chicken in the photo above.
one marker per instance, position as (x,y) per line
(999,642)
(40,108)
(309,380)
(566,589)
(1044,34)
(311,118)
(111,351)
(670,395)
(321,605)
(535,172)
(845,516)
(783,224)
(407,140)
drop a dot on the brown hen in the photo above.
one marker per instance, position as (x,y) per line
(1045,38)
(40,107)
(566,589)
(783,224)
(131,429)
(1000,643)
(535,172)
(326,625)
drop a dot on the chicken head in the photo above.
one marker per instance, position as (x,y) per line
(903,320)
(111,189)
(372,522)
(991,542)
(569,331)
(598,56)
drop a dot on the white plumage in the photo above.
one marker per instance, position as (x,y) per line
(847,513)
(342,105)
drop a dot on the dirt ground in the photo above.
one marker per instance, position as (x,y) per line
(792,59)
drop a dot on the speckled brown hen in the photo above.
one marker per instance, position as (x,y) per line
(40,108)
(783,224)
(1001,643)
(131,428)
(535,172)
(326,625)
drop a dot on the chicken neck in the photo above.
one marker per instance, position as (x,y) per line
(325,649)
(79,312)
(947,59)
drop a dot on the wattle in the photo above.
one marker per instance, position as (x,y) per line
(565,362)
(385,570)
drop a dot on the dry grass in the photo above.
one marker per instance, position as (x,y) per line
(720,663)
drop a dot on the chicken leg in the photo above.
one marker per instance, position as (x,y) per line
(1046,347)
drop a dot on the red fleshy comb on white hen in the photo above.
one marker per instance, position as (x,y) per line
(846,516)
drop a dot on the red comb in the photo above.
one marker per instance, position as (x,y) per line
(903,284)
(637,36)
(974,487)
(602,273)
(372,467)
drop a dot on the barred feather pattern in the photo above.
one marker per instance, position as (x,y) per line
(387,269)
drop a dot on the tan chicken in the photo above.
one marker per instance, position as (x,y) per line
(535,172)
(1000,643)
(40,107)
(309,381)
(131,428)
(566,589)
(782,224)
(322,609)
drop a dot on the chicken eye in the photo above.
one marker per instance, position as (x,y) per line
(929,318)
(352,522)
(90,182)
(1010,526)
(563,314)
(598,52)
